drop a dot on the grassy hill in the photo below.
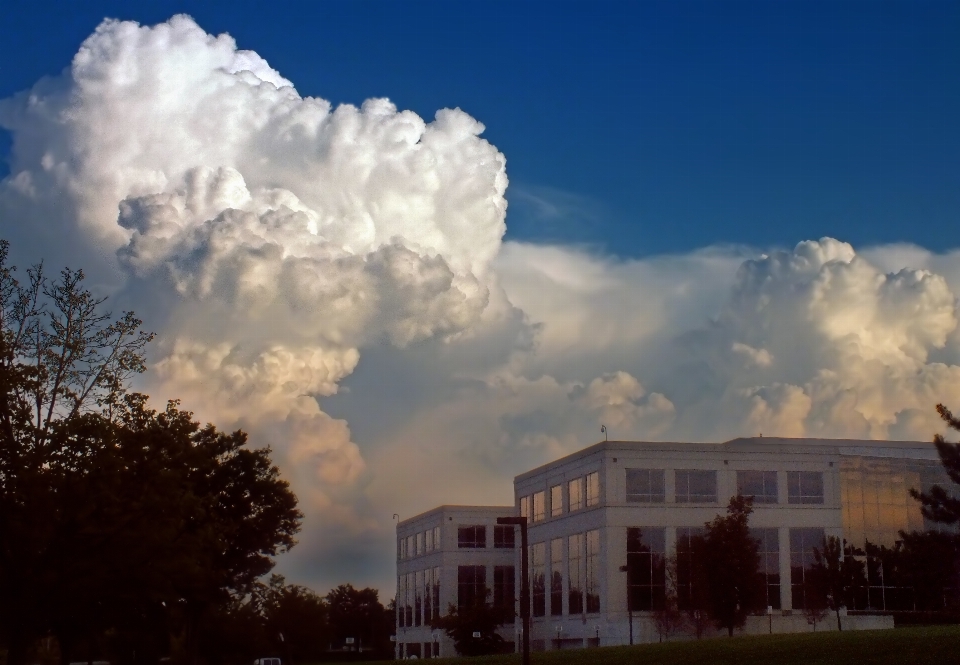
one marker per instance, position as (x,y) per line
(937,645)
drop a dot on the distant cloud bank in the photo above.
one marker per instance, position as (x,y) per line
(285,250)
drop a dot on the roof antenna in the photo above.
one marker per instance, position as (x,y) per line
(603,428)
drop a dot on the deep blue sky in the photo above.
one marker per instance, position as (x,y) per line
(648,127)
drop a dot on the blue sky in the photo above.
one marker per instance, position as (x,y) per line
(723,219)
(638,128)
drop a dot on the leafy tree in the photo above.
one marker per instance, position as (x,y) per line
(730,559)
(481,616)
(837,575)
(297,613)
(358,613)
(692,584)
(667,616)
(931,564)
(939,505)
(114,516)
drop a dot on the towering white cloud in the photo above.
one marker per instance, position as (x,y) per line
(265,236)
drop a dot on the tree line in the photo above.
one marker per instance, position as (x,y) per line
(123,529)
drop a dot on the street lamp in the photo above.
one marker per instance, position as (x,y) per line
(626,569)
(524,583)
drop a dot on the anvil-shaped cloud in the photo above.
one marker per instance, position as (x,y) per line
(299,260)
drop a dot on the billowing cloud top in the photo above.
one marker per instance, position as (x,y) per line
(292,255)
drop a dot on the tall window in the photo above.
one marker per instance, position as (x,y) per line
(427,594)
(410,546)
(646,572)
(556,500)
(575,494)
(525,507)
(769,587)
(645,486)
(471,582)
(802,542)
(538,590)
(409,598)
(593,489)
(436,537)
(419,543)
(695,486)
(593,571)
(761,485)
(504,536)
(472,536)
(504,587)
(686,537)
(804,487)
(436,592)
(539,510)
(428,545)
(403,547)
(401,600)
(574,575)
(556,576)
(418,599)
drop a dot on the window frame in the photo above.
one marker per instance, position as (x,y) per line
(800,497)
(649,496)
(769,496)
(539,511)
(556,500)
(688,496)
(592,489)
(479,539)
(499,542)
(578,504)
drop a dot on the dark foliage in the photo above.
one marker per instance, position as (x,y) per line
(729,559)
(358,613)
(119,525)
(837,577)
(479,617)
(938,504)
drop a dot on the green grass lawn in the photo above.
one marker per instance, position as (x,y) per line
(936,645)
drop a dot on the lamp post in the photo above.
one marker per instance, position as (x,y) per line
(524,584)
(626,569)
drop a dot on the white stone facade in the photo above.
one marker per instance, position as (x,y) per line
(416,561)
(583,509)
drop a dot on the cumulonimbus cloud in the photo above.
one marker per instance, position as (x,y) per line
(313,269)
(284,234)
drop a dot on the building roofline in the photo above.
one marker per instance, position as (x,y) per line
(745,444)
(439,510)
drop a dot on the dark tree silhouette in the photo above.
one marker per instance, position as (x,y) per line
(112,515)
(938,504)
(478,617)
(358,613)
(837,575)
(730,559)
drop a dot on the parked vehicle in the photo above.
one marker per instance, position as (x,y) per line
(267,661)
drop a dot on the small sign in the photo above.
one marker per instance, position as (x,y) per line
(349,640)
(476,633)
